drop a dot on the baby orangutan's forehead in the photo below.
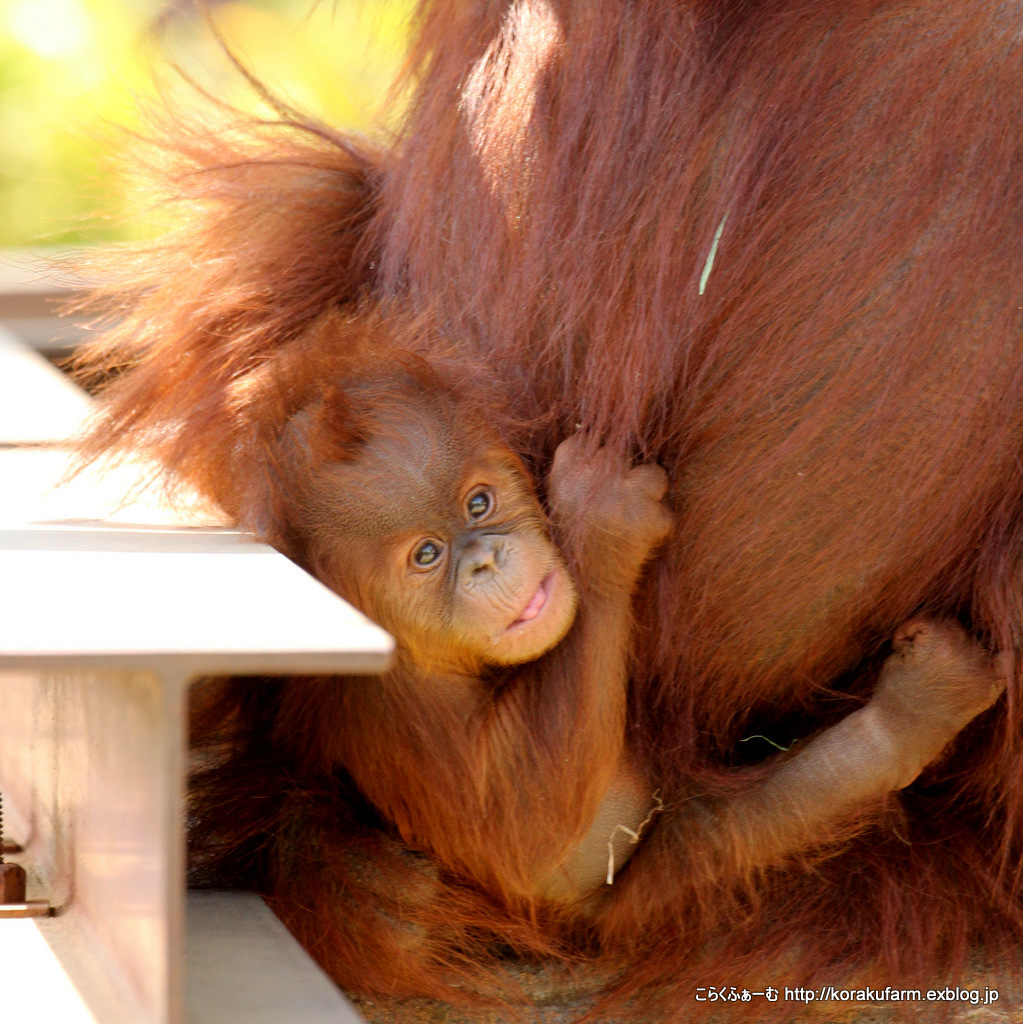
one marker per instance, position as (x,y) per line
(411,476)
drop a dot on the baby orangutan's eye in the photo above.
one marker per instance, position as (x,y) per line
(479,505)
(426,554)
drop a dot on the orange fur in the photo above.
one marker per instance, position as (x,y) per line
(835,397)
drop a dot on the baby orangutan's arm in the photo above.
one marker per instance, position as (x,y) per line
(575,701)
(936,681)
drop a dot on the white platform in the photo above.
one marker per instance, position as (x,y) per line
(108,610)
(243,967)
(38,404)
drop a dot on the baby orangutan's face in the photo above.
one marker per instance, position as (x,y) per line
(440,538)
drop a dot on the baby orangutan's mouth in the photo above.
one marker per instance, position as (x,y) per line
(536,602)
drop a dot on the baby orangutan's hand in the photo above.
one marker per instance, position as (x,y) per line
(614,511)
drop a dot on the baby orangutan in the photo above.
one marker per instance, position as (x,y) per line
(497,742)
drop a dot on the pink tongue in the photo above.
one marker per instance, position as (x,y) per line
(533,608)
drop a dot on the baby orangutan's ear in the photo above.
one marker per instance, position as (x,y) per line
(284,479)
(329,429)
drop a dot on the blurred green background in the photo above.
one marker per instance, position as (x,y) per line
(70,69)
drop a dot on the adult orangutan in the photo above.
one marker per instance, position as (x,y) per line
(773,247)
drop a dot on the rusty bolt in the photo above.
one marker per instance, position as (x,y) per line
(12,883)
(12,876)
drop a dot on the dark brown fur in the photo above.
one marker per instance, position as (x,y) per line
(838,411)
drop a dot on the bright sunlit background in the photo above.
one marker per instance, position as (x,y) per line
(69,69)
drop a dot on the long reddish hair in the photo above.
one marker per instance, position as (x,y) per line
(773,246)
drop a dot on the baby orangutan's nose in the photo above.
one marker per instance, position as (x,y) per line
(482,556)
